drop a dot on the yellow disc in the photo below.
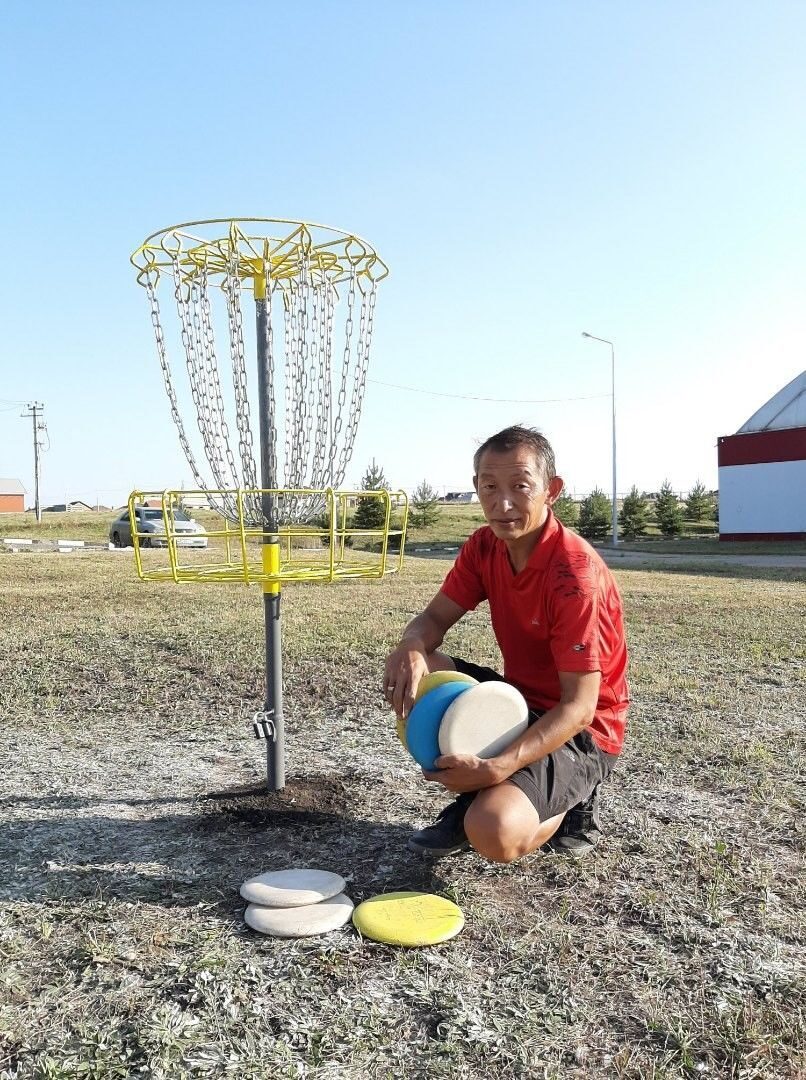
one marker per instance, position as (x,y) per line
(430,682)
(408,918)
(400,724)
(436,678)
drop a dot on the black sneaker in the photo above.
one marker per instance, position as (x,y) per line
(447,835)
(581,829)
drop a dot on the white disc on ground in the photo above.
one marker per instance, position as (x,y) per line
(484,720)
(292,888)
(306,921)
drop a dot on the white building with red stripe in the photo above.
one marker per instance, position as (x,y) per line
(762,471)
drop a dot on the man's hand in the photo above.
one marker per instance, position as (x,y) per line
(466,772)
(405,666)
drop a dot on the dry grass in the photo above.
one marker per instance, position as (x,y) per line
(454,525)
(132,809)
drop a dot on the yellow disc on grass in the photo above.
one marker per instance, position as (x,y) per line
(436,678)
(408,918)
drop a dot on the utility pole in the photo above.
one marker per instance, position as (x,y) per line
(35,411)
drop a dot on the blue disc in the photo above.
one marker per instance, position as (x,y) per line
(422,726)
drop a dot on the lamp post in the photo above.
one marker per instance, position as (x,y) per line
(593,337)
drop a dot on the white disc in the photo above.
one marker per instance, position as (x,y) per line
(306,921)
(484,720)
(292,888)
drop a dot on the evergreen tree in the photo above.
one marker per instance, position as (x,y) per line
(698,503)
(595,515)
(425,501)
(634,515)
(566,510)
(668,511)
(371,513)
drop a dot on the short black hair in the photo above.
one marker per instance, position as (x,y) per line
(518,435)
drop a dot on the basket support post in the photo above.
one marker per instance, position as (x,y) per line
(273,716)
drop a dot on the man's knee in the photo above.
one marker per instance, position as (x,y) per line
(497,846)
(500,828)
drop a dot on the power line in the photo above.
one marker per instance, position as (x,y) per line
(499,401)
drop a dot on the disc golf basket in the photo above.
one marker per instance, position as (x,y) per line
(314,292)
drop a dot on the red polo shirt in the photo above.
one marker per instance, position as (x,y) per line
(562,612)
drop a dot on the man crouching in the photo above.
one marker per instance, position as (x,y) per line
(557,617)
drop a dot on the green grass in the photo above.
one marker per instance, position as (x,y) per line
(713,546)
(455,524)
(133,808)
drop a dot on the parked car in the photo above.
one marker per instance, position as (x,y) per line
(151,529)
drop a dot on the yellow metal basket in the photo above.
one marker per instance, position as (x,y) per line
(175,544)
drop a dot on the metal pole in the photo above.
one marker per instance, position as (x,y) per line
(613,394)
(614,499)
(273,717)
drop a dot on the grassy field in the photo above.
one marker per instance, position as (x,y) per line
(133,807)
(453,527)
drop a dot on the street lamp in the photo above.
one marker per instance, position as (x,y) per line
(593,337)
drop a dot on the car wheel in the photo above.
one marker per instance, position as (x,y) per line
(116,539)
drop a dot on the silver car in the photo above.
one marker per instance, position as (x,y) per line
(151,529)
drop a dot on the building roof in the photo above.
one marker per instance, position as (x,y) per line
(786,409)
(61,508)
(11,487)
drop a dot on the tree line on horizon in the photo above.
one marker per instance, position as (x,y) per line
(591,517)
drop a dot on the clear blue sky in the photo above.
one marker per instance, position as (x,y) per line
(527,170)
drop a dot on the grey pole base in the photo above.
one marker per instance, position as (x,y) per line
(270,725)
(275,747)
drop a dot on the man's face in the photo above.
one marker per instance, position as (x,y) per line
(513,493)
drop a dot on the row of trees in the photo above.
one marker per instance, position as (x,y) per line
(369,513)
(592,517)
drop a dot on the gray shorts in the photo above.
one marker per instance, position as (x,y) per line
(562,779)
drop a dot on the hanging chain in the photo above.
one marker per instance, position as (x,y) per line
(272,400)
(210,395)
(221,427)
(168,380)
(335,475)
(289,320)
(323,396)
(359,378)
(183,307)
(323,325)
(232,294)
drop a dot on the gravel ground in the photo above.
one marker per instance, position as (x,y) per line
(133,806)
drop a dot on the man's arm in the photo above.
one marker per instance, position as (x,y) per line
(407,664)
(574,712)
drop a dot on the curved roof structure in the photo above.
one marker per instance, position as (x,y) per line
(786,409)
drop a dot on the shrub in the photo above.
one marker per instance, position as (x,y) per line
(566,510)
(371,513)
(425,501)
(634,515)
(699,504)
(668,511)
(595,515)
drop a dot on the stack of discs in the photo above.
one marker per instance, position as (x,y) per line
(455,714)
(428,683)
(296,903)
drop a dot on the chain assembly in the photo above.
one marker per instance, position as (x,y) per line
(319,289)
